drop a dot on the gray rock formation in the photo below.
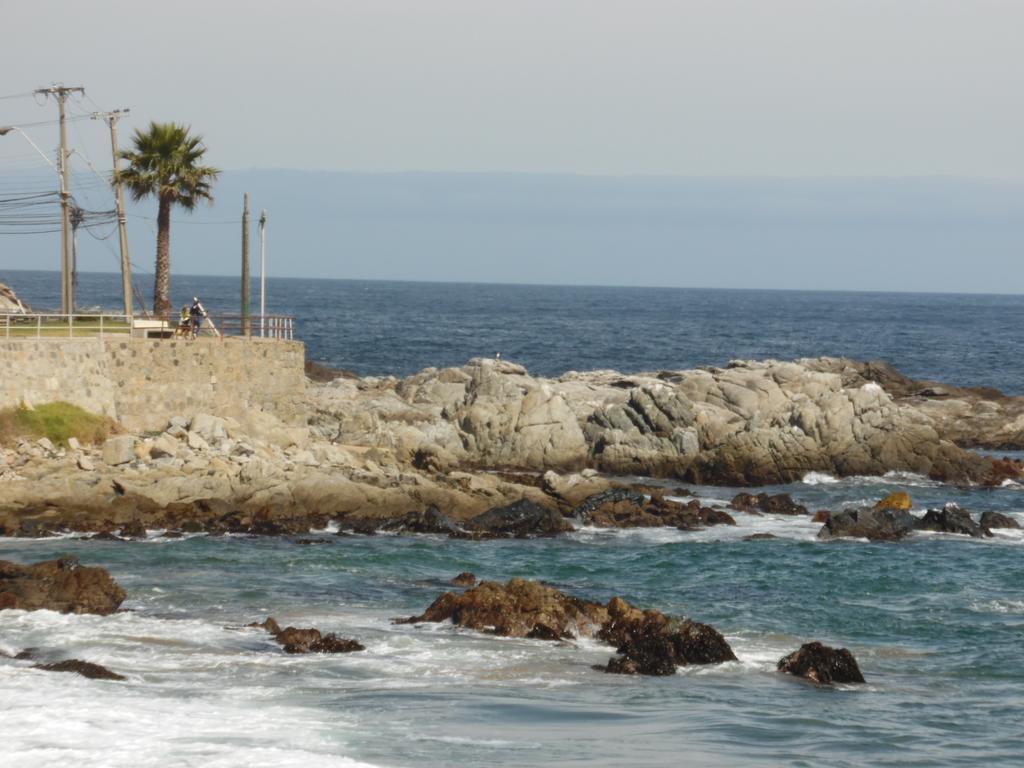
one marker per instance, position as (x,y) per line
(751,423)
(10,303)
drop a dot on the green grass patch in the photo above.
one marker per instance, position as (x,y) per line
(57,421)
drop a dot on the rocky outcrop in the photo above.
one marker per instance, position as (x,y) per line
(653,644)
(626,508)
(821,664)
(295,640)
(751,423)
(650,642)
(59,585)
(83,668)
(521,518)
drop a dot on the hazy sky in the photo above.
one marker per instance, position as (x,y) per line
(688,87)
(759,91)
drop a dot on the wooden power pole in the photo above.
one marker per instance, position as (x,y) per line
(122,222)
(245,265)
(67,286)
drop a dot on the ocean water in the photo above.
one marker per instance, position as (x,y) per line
(381,328)
(935,621)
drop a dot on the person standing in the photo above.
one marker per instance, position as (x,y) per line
(196,312)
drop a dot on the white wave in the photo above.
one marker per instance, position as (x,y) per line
(819,478)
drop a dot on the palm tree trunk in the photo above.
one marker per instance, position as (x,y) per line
(162,279)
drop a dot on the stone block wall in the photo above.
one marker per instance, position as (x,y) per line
(143,382)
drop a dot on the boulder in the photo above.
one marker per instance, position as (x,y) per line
(133,530)
(871,524)
(951,519)
(210,428)
(83,668)
(59,585)
(821,664)
(659,647)
(521,518)
(431,520)
(997,520)
(118,450)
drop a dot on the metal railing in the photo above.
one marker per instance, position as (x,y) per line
(46,326)
(280,327)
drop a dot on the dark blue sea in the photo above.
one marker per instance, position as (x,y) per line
(936,621)
(380,328)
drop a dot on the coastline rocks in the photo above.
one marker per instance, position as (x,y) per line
(626,508)
(750,423)
(431,520)
(464,579)
(118,450)
(871,524)
(295,640)
(951,519)
(59,585)
(997,520)
(822,665)
(83,668)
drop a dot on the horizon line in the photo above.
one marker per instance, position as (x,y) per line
(866,291)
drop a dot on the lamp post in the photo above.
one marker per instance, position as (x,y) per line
(263,271)
(5,129)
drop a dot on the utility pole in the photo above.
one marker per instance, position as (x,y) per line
(67,288)
(245,266)
(263,271)
(122,222)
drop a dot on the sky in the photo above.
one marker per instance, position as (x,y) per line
(741,91)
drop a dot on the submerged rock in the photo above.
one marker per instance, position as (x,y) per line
(821,664)
(59,585)
(83,668)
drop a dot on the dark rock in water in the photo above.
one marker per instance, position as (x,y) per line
(464,579)
(951,519)
(172,535)
(521,518)
(715,516)
(431,520)
(59,585)
(997,520)
(650,642)
(780,504)
(133,530)
(821,664)
(515,610)
(310,542)
(653,644)
(760,537)
(821,516)
(296,640)
(872,524)
(611,496)
(83,668)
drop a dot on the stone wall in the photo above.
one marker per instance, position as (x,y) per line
(143,382)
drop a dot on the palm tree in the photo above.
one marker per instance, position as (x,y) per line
(166,164)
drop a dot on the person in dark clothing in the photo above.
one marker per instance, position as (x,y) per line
(196,312)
